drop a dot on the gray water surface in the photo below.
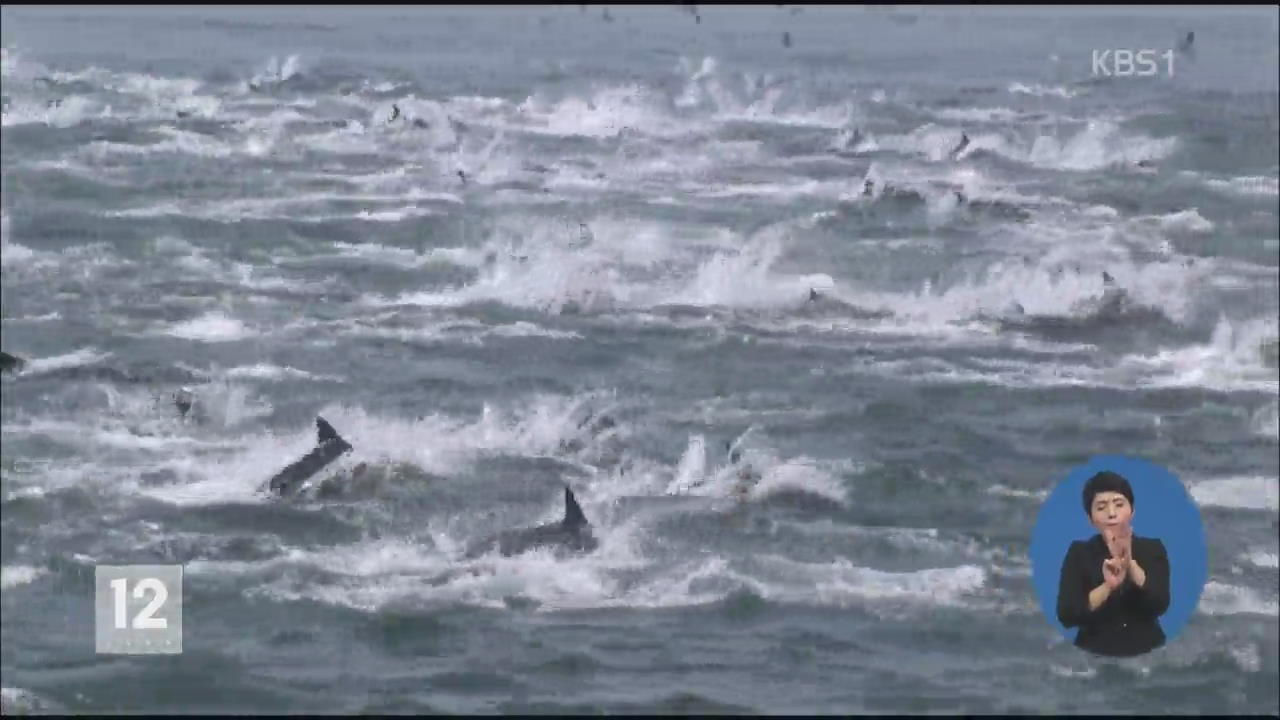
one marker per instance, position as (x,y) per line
(216,198)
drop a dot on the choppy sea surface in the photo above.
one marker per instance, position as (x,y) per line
(679,218)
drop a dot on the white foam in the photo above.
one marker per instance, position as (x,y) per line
(214,326)
(267,371)
(1179,369)
(11,254)
(17,701)
(474,333)
(1099,145)
(1038,90)
(66,113)
(179,141)
(412,572)
(1232,360)
(230,477)
(275,71)
(229,405)
(78,358)
(726,96)
(1246,656)
(528,329)
(1087,673)
(980,114)
(437,444)
(307,208)
(692,467)
(1050,286)
(1247,185)
(1189,222)
(12,576)
(840,583)
(1262,558)
(798,474)
(31,491)
(1242,493)
(47,317)
(396,256)
(1222,599)
(608,111)
(747,279)
(773,477)
(1004,490)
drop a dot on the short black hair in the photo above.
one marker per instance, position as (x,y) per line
(1106,481)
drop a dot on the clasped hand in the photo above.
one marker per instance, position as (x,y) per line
(1115,569)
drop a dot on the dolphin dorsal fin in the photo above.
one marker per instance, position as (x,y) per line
(325,431)
(573,516)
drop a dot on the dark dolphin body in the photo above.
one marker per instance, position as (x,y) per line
(1186,46)
(573,532)
(190,408)
(291,479)
(183,400)
(1114,310)
(11,363)
(820,305)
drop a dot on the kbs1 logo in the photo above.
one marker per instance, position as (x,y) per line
(1128,63)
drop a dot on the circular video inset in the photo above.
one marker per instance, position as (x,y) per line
(1118,556)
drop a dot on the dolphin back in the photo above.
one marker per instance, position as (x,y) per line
(11,363)
(573,532)
(331,446)
(573,516)
(325,433)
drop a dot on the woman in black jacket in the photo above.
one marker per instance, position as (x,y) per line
(1114,585)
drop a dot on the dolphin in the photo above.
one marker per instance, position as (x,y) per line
(820,304)
(1186,46)
(11,363)
(1113,303)
(330,446)
(572,532)
(855,139)
(1114,309)
(183,399)
(964,143)
(747,475)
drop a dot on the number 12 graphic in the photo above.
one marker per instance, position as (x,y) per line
(143,620)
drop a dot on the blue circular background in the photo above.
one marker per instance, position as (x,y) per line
(1161,509)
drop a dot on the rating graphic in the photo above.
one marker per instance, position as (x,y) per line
(138,609)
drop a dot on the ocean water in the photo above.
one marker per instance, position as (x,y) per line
(664,217)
